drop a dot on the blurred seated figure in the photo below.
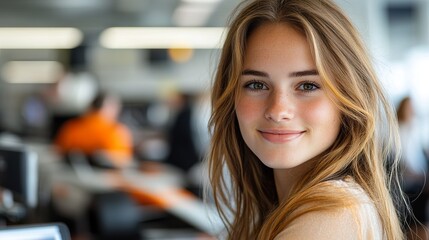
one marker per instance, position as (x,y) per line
(189,137)
(183,153)
(415,165)
(98,134)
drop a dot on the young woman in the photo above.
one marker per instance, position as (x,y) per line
(302,131)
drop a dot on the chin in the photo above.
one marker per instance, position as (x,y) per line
(285,161)
(282,164)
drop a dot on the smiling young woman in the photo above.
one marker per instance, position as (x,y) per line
(284,113)
(302,130)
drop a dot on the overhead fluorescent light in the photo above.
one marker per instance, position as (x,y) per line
(40,38)
(152,38)
(32,71)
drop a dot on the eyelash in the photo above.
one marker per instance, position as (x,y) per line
(314,86)
(251,86)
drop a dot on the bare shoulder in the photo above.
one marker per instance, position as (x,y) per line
(358,220)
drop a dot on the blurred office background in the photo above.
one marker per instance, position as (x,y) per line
(34,63)
(55,55)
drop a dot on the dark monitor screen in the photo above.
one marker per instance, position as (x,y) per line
(18,173)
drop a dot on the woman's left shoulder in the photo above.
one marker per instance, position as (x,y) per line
(358,199)
(356,219)
(361,207)
(352,190)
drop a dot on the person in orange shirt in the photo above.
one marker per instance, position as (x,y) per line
(98,133)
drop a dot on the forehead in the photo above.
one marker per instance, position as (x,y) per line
(277,33)
(278,45)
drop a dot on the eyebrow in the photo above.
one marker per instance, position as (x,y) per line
(304,73)
(254,73)
(292,74)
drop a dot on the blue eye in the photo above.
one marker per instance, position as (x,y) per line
(308,86)
(255,85)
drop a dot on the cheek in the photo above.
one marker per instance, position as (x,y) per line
(324,114)
(246,109)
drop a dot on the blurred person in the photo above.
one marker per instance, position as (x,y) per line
(183,153)
(302,129)
(98,134)
(188,138)
(415,166)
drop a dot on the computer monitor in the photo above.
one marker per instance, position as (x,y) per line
(49,231)
(18,174)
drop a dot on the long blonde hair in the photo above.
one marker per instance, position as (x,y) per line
(368,135)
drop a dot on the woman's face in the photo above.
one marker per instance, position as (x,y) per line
(284,114)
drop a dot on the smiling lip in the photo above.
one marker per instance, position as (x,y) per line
(280,136)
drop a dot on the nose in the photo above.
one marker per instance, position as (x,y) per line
(280,107)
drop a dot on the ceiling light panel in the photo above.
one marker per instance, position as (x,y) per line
(158,38)
(32,71)
(40,38)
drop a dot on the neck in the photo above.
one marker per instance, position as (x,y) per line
(286,179)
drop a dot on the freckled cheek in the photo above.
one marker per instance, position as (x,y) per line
(323,114)
(246,109)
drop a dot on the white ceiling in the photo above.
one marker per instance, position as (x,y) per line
(93,16)
(96,14)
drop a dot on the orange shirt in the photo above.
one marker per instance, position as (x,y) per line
(91,133)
